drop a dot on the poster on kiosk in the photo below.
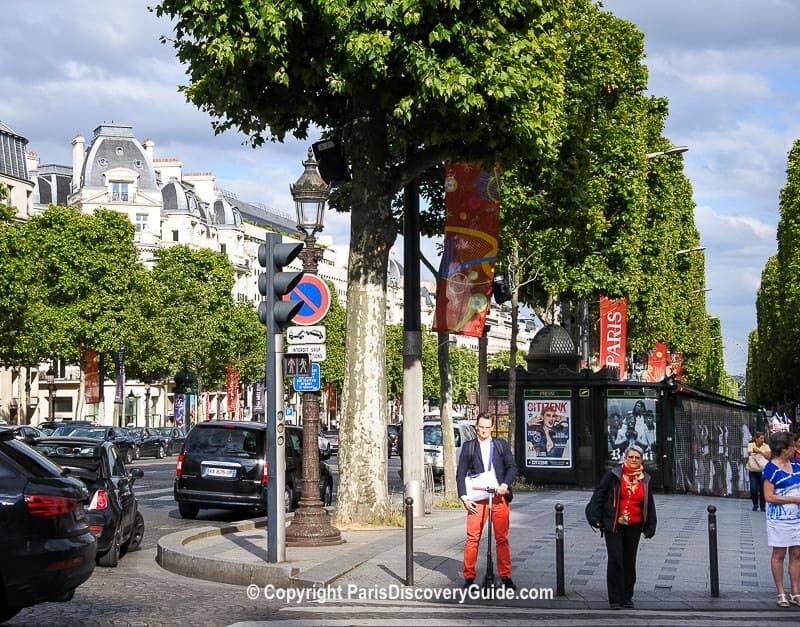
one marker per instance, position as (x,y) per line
(548,422)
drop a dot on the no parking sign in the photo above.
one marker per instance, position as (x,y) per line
(316,299)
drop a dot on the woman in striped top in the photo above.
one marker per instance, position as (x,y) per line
(782,493)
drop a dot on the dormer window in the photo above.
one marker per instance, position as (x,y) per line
(119,191)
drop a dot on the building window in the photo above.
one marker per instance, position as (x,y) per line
(174,236)
(222,249)
(141,222)
(119,192)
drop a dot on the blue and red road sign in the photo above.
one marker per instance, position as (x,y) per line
(316,298)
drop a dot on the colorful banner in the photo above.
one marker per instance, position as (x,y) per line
(120,389)
(232,384)
(656,363)
(675,365)
(258,398)
(548,416)
(472,224)
(613,333)
(180,410)
(91,367)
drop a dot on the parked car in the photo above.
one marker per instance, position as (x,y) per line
(223,466)
(49,426)
(332,435)
(150,442)
(432,442)
(113,512)
(174,436)
(393,432)
(27,434)
(46,546)
(118,435)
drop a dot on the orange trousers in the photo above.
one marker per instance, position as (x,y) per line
(475,523)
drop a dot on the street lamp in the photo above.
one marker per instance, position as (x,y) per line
(131,397)
(693,249)
(672,150)
(50,377)
(146,405)
(311,524)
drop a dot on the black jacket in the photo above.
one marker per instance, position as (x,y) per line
(603,508)
(471,463)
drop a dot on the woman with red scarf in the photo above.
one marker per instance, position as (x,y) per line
(622,507)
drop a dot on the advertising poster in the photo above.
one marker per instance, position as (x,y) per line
(630,419)
(548,427)
(180,410)
(92,369)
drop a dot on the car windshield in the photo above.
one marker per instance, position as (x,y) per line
(64,430)
(165,431)
(432,435)
(90,432)
(30,459)
(226,441)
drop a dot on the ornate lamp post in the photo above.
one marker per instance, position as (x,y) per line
(50,377)
(311,525)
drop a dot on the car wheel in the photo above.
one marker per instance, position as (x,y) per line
(288,499)
(187,510)
(129,456)
(137,533)
(111,557)
(327,498)
(160,452)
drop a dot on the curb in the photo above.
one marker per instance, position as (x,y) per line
(174,554)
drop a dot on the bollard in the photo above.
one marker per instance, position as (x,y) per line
(712,550)
(409,541)
(559,550)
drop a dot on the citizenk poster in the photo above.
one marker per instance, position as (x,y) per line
(472,201)
(548,432)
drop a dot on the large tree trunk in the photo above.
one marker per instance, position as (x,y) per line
(362,449)
(446,416)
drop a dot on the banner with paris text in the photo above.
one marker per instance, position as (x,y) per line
(613,333)
(472,223)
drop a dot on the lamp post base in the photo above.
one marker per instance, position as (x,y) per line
(312,526)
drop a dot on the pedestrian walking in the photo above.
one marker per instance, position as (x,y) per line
(782,492)
(758,454)
(486,462)
(623,508)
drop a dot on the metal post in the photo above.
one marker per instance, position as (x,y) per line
(483,375)
(409,541)
(311,525)
(712,550)
(147,405)
(559,550)
(413,454)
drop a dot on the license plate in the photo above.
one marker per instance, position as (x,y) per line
(226,473)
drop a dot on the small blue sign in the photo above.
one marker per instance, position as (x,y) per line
(308,384)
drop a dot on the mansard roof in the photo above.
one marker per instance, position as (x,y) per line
(114,146)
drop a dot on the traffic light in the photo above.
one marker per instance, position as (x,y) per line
(275,283)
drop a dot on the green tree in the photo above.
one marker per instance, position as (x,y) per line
(194,289)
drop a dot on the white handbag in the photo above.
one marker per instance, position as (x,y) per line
(479,482)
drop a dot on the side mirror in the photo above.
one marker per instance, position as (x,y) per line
(136,473)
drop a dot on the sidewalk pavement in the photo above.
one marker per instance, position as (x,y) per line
(673,567)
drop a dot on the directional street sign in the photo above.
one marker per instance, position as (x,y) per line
(316,298)
(308,384)
(306,335)
(316,352)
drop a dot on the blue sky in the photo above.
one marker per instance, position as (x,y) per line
(729,69)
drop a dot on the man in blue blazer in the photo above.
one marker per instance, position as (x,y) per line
(487,454)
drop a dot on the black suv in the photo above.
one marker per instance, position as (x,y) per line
(46,547)
(223,466)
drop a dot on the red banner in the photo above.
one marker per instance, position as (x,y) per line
(656,363)
(472,224)
(91,368)
(613,333)
(233,392)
